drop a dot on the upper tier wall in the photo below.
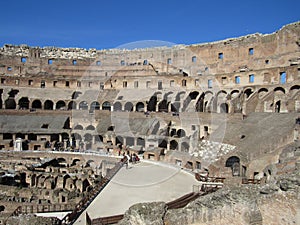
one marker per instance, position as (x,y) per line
(251,52)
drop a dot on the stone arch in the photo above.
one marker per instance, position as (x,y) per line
(119,140)
(181,133)
(234,163)
(163,106)
(88,138)
(78,127)
(200,103)
(24,103)
(106,106)
(72,105)
(173,145)
(48,105)
(10,103)
(262,91)
(128,107)
(130,141)
(140,107)
(90,127)
(277,90)
(151,107)
(185,146)
(117,106)
(295,87)
(248,92)
(76,136)
(234,94)
(193,95)
(141,141)
(83,105)
(36,104)
(95,106)
(224,108)
(60,105)
(208,101)
(163,143)
(166,96)
(180,96)
(175,107)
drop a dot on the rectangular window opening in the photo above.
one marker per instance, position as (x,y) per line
(237,79)
(251,78)
(148,83)
(9,68)
(124,84)
(30,82)
(50,61)
(67,83)
(283,77)
(78,83)
(194,59)
(23,59)
(220,56)
(74,62)
(136,84)
(98,63)
(159,85)
(251,51)
(209,83)
(43,84)
(169,61)
(2,81)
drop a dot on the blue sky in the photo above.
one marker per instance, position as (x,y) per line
(105,24)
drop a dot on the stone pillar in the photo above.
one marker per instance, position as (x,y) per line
(104,170)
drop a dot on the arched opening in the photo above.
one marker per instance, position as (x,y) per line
(130,141)
(78,127)
(141,141)
(279,90)
(24,103)
(10,103)
(36,104)
(88,140)
(193,95)
(180,96)
(95,106)
(163,106)
(185,147)
(173,145)
(60,105)
(163,143)
(32,137)
(128,107)
(234,163)
(117,106)
(140,107)
(200,103)
(106,106)
(71,105)
(83,105)
(234,94)
(90,127)
(224,108)
(277,106)
(119,140)
(175,107)
(151,107)
(180,133)
(248,92)
(295,88)
(48,105)
(261,92)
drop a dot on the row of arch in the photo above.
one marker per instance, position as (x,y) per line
(158,101)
